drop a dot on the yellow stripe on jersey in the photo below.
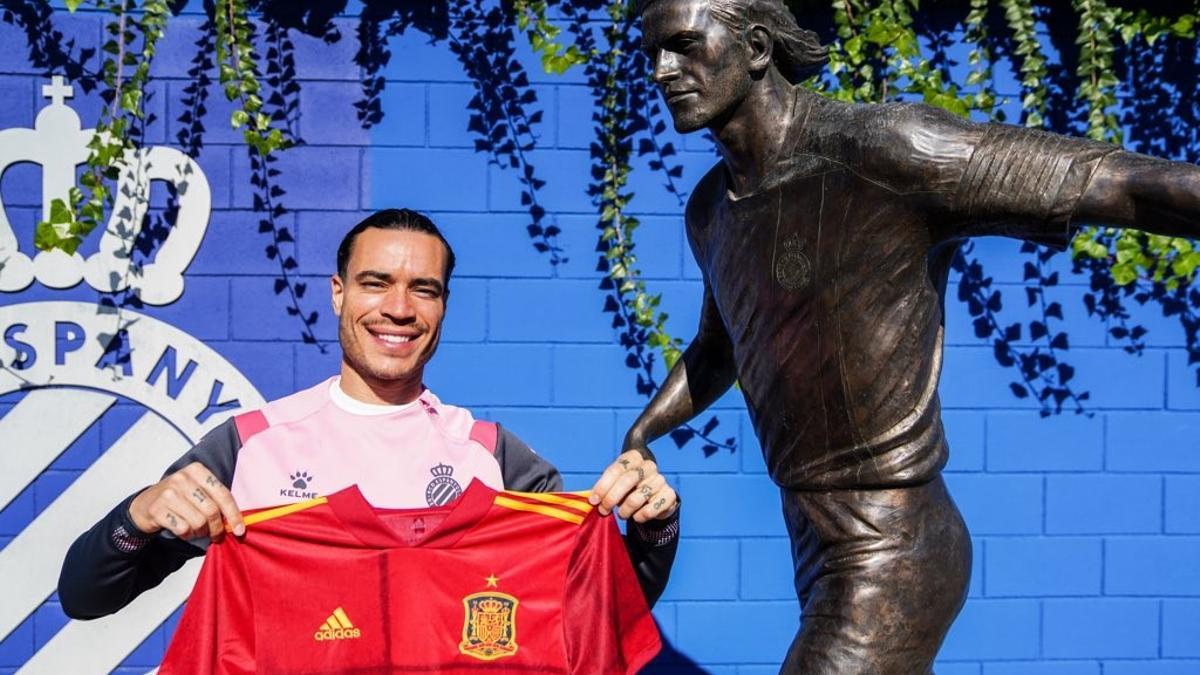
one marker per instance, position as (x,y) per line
(340,615)
(279,512)
(552,511)
(551,498)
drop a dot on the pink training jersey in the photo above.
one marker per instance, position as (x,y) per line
(319,441)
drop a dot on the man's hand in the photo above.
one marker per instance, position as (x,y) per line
(190,503)
(633,487)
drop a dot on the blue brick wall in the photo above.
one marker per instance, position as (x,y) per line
(1086,528)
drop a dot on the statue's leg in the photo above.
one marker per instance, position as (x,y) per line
(881,574)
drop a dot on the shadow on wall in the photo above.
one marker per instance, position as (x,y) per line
(671,661)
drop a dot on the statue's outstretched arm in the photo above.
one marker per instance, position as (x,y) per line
(704,372)
(1031,184)
(1155,195)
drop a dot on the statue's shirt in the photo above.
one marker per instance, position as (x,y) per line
(829,277)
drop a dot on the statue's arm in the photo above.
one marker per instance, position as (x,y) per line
(704,372)
(1155,195)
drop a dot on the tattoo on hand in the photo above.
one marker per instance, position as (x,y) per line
(199,495)
(659,504)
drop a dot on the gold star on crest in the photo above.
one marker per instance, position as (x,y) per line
(492,581)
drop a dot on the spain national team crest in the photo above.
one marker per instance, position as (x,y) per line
(490,626)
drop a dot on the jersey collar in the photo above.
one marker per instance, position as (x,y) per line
(361,520)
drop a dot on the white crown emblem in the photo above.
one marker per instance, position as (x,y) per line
(59,144)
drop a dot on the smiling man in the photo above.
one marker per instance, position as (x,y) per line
(824,237)
(375,426)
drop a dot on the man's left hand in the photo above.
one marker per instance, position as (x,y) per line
(633,487)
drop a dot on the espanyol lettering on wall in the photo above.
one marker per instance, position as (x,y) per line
(74,362)
(64,344)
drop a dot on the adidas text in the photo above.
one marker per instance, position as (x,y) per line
(337,634)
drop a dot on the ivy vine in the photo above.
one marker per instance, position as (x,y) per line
(124,73)
(483,42)
(628,119)
(879,54)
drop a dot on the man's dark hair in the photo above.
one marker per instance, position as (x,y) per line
(393,219)
(798,52)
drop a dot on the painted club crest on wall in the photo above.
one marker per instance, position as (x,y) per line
(67,365)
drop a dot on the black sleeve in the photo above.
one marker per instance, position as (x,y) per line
(652,549)
(521,468)
(651,546)
(113,562)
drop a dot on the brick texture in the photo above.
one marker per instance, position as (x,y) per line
(1086,528)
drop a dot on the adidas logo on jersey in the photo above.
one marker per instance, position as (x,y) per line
(337,627)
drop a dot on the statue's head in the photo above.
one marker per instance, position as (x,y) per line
(708,53)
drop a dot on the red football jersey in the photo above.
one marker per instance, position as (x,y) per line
(522,582)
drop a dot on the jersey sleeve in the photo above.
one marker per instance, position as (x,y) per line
(112,562)
(1026,183)
(651,547)
(522,469)
(984,179)
(611,629)
(217,451)
(216,633)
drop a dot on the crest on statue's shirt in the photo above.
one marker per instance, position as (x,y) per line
(792,268)
(74,368)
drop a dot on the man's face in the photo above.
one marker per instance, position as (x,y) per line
(390,307)
(700,65)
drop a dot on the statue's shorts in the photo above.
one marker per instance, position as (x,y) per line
(881,574)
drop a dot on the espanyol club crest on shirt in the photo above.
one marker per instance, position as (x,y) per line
(443,489)
(72,366)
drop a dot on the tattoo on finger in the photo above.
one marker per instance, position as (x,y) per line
(199,495)
(646,491)
(659,504)
(641,474)
(210,480)
(172,520)
(625,464)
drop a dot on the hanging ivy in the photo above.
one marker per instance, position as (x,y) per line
(879,54)
(49,50)
(124,73)
(625,120)
(1114,258)
(983,75)
(239,75)
(483,42)
(543,37)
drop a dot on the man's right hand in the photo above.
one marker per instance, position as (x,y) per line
(189,503)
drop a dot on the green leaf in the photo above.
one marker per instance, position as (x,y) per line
(60,212)
(130,100)
(1124,274)
(45,237)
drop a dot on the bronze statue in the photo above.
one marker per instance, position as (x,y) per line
(825,236)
